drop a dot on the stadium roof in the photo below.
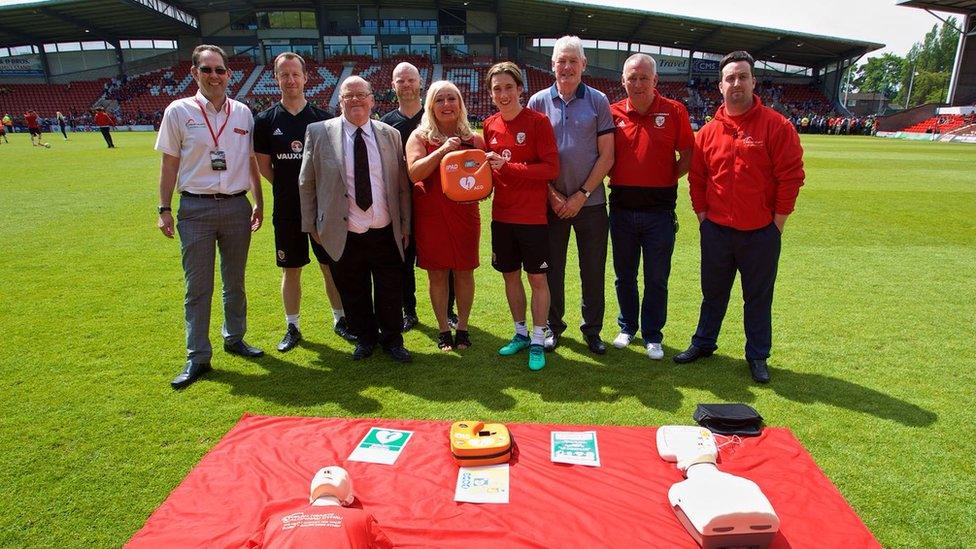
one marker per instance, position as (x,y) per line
(954,6)
(64,20)
(80,20)
(556,17)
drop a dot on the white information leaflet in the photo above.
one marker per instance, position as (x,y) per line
(578,448)
(485,484)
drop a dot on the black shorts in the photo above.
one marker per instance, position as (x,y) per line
(34,131)
(515,246)
(291,245)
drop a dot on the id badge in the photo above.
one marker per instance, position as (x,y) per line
(218,161)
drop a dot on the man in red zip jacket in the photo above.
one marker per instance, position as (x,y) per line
(105,121)
(746,171)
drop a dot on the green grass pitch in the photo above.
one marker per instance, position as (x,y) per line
(872,366)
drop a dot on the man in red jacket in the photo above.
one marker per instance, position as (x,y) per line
(653,144)
(105,121)
(746,171)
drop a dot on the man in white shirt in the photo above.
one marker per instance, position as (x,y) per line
(208,157)
(355,203)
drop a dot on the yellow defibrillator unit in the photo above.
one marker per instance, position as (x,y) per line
(475,443)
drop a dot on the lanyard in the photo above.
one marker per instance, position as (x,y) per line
(216,137)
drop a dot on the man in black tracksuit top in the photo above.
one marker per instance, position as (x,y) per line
(279,137)
(408,84)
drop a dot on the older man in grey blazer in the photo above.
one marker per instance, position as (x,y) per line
(356,204)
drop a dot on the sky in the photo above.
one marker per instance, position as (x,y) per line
(879,21)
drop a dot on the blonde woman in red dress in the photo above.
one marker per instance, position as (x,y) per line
(446,232)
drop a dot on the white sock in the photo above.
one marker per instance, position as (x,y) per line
(292,319)
(521,330)
(336,315)
(538,335)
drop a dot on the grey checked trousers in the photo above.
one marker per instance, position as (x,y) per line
(206,225)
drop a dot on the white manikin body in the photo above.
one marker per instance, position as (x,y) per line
(718,509)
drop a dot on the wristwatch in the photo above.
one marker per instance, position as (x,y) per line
(585,192)
(164,209)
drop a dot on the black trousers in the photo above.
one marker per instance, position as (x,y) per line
(369,278)
(63,130)
(592,228)
(106,133)
(755,254)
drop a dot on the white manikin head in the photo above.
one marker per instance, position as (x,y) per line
(332,481)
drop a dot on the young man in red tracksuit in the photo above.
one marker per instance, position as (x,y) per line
(746,171)
(105,121)
(524,159)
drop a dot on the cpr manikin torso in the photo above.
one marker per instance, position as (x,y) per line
(326,521)
(718,509)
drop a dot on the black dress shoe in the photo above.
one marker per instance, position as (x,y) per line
(596,345)
(190,373)
(291,339)
(399,353)
(409,321)
(243,349)
(551,341)
(342,330)
(362,351)
(759,371)
(690,354)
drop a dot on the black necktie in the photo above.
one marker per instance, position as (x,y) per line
(364,191)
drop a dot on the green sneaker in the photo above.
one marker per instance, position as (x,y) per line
(537,357)
(517,343)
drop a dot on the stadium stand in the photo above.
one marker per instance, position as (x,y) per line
(613,88)
(380,75)
(77,97)
(153,91)
(322,80)
(470,79)
(142,98)
(943,123)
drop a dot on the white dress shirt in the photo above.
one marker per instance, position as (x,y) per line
(183,133)
(378,215)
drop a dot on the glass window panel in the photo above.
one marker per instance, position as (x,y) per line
(304,50)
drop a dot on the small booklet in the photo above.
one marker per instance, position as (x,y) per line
(578,448)
(381,445)
(485,484)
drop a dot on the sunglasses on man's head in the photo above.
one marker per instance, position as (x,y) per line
(208,70)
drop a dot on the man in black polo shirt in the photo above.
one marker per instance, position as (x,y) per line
(407,84)
(279,137)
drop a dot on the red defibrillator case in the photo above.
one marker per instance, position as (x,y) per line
(466,175)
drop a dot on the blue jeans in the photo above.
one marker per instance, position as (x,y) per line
(651,234)
(755,255)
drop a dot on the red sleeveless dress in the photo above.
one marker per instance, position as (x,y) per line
(447,233)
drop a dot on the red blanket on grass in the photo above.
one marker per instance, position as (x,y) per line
(264,463)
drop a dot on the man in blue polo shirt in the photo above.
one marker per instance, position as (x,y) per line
(581,118)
